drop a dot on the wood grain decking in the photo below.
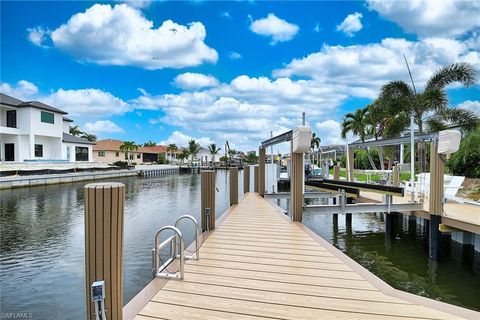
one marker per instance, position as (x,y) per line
(257,264)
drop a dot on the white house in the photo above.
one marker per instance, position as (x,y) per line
(34,131)
(204,156)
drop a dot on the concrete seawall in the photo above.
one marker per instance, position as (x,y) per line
(41,180)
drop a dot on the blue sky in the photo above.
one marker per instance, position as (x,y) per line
(168,71)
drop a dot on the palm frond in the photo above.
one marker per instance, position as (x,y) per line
(462,72)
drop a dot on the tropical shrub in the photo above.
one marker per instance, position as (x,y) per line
(466,161)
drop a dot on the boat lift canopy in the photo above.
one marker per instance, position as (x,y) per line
(284,137)
(394,141)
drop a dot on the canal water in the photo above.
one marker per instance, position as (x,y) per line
(402,261)
(42,245)
(42,239)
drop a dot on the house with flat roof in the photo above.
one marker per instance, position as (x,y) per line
(34,131)
(108,151)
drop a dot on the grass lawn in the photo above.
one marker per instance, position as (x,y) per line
(404,176)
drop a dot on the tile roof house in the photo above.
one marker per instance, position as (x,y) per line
(108,151)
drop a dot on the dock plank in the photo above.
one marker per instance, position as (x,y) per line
(258,265)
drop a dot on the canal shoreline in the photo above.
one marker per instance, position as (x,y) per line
(42,180)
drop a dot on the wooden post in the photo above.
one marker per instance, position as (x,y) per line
(104,210)
(255,179)
(261,171)
(233,186)
(436,199)
(350,165)
(395,176)
(246,179)
(296,183)
(207,182)
(336,172)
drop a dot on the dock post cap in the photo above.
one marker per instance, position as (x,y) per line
(103,184)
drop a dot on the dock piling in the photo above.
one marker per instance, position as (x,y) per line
(246,179)
(261,171)
(437,168)
(336,172)
(297,184)
(255,179)
(104,211)
(207,182)
(233,186)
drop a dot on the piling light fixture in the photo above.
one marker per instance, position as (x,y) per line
(449,141)
(302,137)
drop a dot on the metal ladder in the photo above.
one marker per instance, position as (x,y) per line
(161,271)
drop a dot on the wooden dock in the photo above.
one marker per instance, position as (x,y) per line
(462,216)
(258,264)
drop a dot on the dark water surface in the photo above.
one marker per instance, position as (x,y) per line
(403,261)
(42,239)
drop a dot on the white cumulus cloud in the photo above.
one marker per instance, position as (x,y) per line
(121,35)
(427,18)
(194,81)
(360,70)
(23,89)
(471,105)
(181,139)
(272,26)
(329,132)
(102,126)
(87,102)
(351,24)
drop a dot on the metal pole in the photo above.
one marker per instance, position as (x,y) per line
(271,148)
(303,118)
(412,158)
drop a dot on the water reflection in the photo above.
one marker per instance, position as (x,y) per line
(42,239)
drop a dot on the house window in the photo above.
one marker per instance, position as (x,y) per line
(139,155)
(68,153)
(117,154)
(81,154)
(38,150)
(101,153)
(47,117)
(12,118)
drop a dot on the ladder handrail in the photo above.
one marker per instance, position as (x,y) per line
(172,240)
(196,254)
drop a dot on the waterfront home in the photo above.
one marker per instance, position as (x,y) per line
(32,131)
(108,151)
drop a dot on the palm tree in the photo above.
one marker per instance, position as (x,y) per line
(430,107)
(183,155)
(231,153)
(127,147)
(150,144)
(214,150)
(89,137)
(193,149)
(75,131)
(358,124)
(172,148)
(314,143)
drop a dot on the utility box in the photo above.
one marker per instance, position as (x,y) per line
(302,138)
(449,141)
